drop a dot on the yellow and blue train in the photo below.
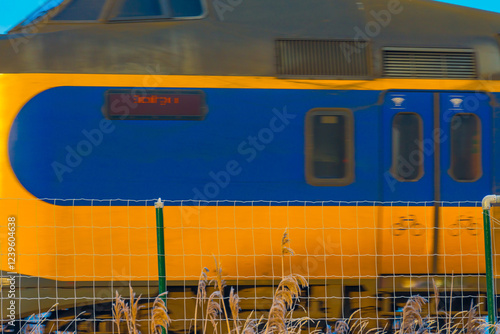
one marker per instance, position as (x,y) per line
(367,128)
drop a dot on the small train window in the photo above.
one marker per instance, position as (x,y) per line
(407,155)
(158,9)
(329,147)
(465,157)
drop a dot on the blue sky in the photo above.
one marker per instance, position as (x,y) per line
(14,11)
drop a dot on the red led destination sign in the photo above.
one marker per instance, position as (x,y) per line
(137,104)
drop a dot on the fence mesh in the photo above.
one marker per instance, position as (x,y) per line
(64,261)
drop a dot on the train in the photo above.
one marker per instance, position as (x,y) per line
(366,129)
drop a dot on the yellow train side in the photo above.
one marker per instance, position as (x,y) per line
(106,243)
(112,243)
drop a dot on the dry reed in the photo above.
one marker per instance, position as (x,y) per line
(121,310)
(128,312)
(412,319)
(234,304)
(159,317)
(201,295)
(219,283)
(280,316)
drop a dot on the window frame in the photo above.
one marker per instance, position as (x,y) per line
(311,179)
(480,126)
(421,140)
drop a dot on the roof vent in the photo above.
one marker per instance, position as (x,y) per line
(429,63)
(322,58)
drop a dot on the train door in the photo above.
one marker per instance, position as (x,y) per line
(436,152)
(408,183)
(465,165)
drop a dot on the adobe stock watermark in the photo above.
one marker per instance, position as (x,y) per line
(380,19)
(93,138)
(223,6)
(249,150)
(11,265)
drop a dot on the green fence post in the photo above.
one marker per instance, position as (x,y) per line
(160,241)
(488,252)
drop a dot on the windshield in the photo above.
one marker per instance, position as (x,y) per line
(41,11)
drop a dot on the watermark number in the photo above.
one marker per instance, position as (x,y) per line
(11,263)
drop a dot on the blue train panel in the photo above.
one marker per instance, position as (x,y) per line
(250,146)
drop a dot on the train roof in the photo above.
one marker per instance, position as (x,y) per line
(286,38)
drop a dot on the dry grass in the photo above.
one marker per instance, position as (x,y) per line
(412,319)
(283,301)
(201,294)
(234,304)
(159,317)
(465,322)
(219,283)
(123,311)
(280,316)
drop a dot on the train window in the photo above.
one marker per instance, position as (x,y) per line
(329,147)
(131,8)
(407,155)
(465,147)
(158,9)
(81,10)
(186,8)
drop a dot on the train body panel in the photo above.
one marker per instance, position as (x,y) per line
(54,114)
